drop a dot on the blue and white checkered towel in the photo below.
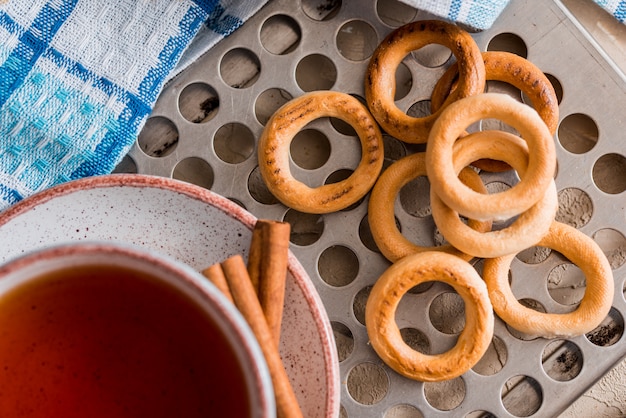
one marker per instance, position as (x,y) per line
(78,78)
(480,14)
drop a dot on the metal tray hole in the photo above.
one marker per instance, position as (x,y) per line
(341,175)
(508,42)
(404,82)
(566,284)
(531,304)
(258,190)
(356,40)
(415,197)
(578,133)
(233,143)
(403,411)
(344,340)
(496,86)
(198,102)
(359,303)
(158,137)
(447,313)
(268,102)
(562,360)
(306,228)
(480,414)
(310,149)
(419,109)
(240,68)
(316,72)
(280,34)
(365,235)
(496,124)
(558,87)
(394,150)
(196,171)
(127,165)
(321,10)
(338,265)
(522,396)
(494,358)
(368,383)
(446,395)
(395,13)
(431,55)
(575,207)
(609,173)
(416,339)
(534,255)
(613,243)
(609,332)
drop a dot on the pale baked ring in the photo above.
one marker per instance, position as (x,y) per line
(527,229)
(516,71)
(594,306)
(451,124)
(273,152)
(383,330)
(390,241)
(380,79)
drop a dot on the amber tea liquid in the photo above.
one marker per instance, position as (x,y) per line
(105,341)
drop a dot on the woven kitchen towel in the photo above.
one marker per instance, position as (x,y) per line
(477,14)
(480,14)
(78,79)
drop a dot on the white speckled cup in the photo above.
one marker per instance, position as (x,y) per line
(21,273)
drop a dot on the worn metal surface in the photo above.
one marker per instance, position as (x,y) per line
(204,130)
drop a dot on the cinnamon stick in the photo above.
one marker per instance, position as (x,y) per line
(267,266)
(238,279)
(215,274)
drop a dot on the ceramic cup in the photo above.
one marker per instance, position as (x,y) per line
(105,329)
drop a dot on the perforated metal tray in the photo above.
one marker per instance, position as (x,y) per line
(204,129)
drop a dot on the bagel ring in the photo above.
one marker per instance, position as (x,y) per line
(273,152)
(383,330)
(380,80)
(449,127)
(594,306)
(390,241)
(527,229)
(516,71)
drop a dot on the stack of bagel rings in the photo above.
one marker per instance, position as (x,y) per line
(462,209)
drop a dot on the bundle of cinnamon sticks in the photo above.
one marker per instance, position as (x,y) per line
(257,289)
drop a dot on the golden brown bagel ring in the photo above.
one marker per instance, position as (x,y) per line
(380,80)
(392,244)
(451,124)
(274,144)
(512,69)
(383,330)
(594,306)
(527,229)
(520,73)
